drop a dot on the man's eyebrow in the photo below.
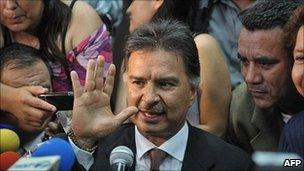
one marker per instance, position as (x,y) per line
(159,79)
(135,77)
(265,59)
(170,78)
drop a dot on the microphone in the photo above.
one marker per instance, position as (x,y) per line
(59,147)
(121,158)
(9,140)
(7,159)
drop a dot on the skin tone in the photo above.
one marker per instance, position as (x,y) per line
(20,15)
(38,74)
(22,18)
(214,70)
(298,66)
(92,116)
(158,86)
(153,91)
(266,68)
(136,14)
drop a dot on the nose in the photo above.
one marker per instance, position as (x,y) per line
(252,74)
(150,96)
(129,10)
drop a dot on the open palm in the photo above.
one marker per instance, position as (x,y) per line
(92,116)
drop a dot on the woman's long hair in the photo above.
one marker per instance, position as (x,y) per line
(55,20)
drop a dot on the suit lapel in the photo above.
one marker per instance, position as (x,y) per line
(196,155)
(123,137)
(269,124)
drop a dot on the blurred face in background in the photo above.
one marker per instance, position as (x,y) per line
(20,15)
(142,11)
(298,66)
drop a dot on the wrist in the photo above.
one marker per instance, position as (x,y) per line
(84,144)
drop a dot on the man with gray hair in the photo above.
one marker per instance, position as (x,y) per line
(162,71)
(268,98)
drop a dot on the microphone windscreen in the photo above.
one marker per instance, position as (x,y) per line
(9,140)
(57,146)
(7,159)
(122,154)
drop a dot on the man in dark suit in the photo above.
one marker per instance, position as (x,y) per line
(268,98)
(162,76)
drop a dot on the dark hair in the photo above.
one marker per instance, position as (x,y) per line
(20,56)
(292,27)
(54,22)
(268,14)
(173,9)
(170,36)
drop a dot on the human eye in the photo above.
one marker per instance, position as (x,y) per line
(299,59)
(166,85)
(138,83)
(266,63)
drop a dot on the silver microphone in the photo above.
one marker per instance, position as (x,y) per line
(121,158)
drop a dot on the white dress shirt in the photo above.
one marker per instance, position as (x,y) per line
(175,147)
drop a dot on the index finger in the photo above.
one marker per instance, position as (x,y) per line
(39,103)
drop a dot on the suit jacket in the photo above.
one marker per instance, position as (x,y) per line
(250,127)
(203,152)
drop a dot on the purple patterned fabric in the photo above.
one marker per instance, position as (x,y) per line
(98,43)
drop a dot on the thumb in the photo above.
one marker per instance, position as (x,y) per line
(125,114)
(36,90)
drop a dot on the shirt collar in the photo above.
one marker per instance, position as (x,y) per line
(175,146)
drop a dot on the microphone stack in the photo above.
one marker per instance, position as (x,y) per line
(9,144)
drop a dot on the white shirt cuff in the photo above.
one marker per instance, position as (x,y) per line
(84,158)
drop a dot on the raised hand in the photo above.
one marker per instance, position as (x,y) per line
(92,116)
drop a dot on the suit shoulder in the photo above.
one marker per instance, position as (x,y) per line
(224,155)
(242,104)
(123,132)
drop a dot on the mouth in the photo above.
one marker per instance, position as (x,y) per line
(16,19)
(151,116)
(152,112)
(257,93)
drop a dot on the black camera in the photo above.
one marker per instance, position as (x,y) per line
(61,100)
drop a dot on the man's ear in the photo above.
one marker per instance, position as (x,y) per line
(192,96)
(157,4)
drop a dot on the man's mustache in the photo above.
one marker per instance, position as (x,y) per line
(156,109)
(257,88)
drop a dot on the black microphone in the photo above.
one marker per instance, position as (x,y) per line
(121,158)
